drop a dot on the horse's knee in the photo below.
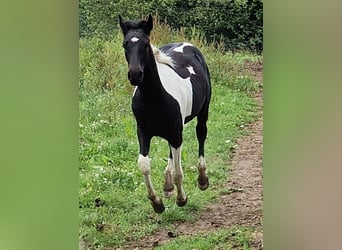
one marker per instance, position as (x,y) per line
(144,164)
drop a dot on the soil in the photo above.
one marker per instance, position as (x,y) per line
(243,204)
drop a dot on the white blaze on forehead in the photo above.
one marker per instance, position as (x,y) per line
(191,70)
(178,87)
(134,39)
(181,47)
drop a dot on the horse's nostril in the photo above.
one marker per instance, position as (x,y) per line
(130,74)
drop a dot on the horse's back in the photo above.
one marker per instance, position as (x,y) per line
(189,63)
(185,55)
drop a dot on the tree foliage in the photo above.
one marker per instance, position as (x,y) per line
(237,23)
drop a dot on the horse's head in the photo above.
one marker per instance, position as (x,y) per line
(137,47)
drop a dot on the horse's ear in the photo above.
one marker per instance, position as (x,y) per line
(122,25)
(148,25)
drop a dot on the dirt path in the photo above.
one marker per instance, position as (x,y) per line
(243,204)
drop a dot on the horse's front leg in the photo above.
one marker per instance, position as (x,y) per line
(144,165)
(178,175)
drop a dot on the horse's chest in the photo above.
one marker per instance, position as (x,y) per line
(158,119)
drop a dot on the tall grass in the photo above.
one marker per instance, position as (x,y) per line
(114,209)
(102,63)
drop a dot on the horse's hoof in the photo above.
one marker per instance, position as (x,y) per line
(158,206)
(203,183)
(181,203)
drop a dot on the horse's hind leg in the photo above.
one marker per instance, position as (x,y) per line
(168,184)
(181,199)
(201,132)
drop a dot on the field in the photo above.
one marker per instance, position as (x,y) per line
(114,210)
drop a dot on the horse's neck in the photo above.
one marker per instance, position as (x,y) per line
(151,83)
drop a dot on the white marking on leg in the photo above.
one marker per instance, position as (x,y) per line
(178,175)
(181,47)
(134,39)
(202,162)
(145,167)
(191,70)
(168,185)
(169,167)
(144,164)
(203,181)
(202,165)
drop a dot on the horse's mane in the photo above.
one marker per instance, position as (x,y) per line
(161,57)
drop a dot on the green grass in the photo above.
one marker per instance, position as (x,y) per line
(234,238)
(109,147)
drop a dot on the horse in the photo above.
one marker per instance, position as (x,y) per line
(172,86)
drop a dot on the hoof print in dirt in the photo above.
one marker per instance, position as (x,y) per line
(99,202)
(100,227)
(171,234)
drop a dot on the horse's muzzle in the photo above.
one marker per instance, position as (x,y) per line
(135,76)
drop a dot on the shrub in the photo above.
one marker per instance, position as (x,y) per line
(238,23)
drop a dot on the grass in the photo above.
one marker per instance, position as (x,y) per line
(114,208)
(234,238)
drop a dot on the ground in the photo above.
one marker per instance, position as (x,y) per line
(242,204)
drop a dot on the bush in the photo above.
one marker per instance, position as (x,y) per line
(103,64)
(237,23)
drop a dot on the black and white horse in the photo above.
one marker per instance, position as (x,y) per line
(172,87)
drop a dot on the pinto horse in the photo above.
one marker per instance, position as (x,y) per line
(172,87)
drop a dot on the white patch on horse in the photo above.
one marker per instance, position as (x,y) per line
(134,39)
(191,70)
(201,161)
(178,171)
(177,87)
(161,57)
(144,164)
(181,47)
